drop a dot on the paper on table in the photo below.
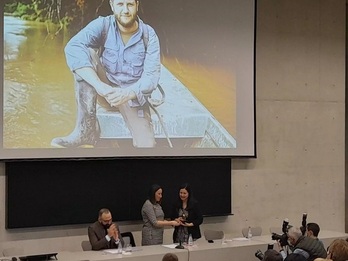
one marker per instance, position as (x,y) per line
(115,250)
(111,251)
(170,246)
(240,239)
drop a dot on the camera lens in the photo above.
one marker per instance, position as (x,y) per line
(259,254)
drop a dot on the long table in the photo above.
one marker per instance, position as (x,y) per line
(145,253)
(242,249)
(229,249)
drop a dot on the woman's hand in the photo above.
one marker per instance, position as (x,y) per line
(175,223)
(185,224)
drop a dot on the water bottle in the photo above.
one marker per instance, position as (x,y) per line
(190,240)
(119,248)
(250,235)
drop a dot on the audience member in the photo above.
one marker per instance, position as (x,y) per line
(186,211)
(312,230)
(338,250)
(153,217)
(310,248)
(104,234)
(295,257)
(170,257)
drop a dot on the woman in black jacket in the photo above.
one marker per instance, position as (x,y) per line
(186,211)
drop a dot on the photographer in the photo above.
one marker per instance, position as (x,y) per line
(312,230)
(310,248)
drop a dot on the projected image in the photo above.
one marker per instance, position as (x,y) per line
(90,78)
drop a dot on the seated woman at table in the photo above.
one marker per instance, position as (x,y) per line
(186,211)
(153,217)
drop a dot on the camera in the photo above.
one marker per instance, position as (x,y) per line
(259,253)
(283,239)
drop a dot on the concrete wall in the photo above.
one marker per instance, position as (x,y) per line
(300,99)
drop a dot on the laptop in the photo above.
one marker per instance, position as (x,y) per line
(40,257)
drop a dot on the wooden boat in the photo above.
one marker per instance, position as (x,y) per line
(187,122)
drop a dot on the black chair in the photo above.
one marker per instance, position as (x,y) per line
(255,231)
(128,238)
(213,234)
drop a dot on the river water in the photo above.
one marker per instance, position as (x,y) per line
(39,101)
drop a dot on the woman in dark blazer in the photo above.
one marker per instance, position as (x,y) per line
(186,211)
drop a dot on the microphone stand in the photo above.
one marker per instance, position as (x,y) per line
(180,246)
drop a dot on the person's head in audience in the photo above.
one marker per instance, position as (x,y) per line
(295,257)
(294,233)
(105,217)
(155,194)
(170,257)
(272,255)
(312,230)
(338,250)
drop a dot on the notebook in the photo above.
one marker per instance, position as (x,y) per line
(40,257)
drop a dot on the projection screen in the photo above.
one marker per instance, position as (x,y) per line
(202,102)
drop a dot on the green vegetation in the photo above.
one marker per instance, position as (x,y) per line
(62,12)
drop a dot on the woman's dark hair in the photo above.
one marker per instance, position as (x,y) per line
(152,191)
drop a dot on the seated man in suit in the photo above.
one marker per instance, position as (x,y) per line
(104,234)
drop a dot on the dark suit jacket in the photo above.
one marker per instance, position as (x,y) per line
(96,235)
(194,216)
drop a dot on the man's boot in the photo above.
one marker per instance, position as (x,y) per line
(86,130)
